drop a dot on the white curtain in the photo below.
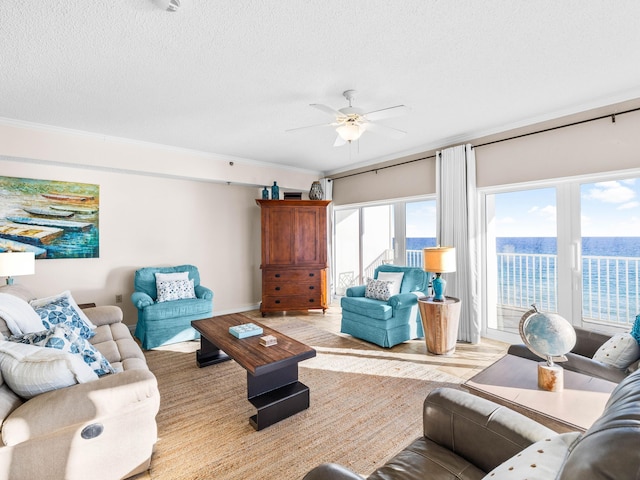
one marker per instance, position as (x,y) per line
(457,227)
(327,188)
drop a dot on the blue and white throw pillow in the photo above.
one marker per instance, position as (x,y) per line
(175,290)
(59,311)
(378,289)
(62,337)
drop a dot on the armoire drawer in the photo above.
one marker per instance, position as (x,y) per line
(292,275)
(292,302)
(290,288)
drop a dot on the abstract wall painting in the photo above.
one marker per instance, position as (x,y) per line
(51,218)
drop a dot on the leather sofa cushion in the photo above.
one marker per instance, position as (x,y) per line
(424,456)
(610,447)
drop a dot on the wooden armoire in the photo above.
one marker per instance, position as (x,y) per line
(294,255)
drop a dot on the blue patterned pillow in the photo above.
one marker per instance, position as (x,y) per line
(62,337)
(175,290)
(60,311)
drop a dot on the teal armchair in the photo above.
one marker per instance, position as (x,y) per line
(163,323)
(386,323)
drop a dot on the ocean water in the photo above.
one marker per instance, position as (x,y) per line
(597,246)
(610,274)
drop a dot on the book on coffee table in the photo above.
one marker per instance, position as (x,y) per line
(245,330)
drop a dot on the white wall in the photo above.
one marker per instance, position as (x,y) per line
(151,213)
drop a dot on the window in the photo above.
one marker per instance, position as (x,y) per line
(610,247)
(372,235)
(571,248)
(420,230)
(521,255)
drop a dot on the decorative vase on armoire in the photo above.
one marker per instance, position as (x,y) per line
(316,192)
(275,192)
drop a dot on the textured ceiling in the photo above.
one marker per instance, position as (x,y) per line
(229,77)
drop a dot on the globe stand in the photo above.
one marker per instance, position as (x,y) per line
(549,336)
(550,377)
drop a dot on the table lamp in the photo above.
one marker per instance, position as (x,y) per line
(16,263)
(439,260)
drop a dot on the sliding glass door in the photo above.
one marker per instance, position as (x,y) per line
(610,251)
(571,248)
(521,255)
(371,235)
(347,250)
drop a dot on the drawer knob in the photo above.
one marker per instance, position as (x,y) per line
(277,275)
(311,287)
(277,301)
(277,289)
(311,300)
(312,274)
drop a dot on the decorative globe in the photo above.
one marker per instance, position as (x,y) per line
(548,335)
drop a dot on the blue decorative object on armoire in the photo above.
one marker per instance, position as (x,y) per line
(275,192)
(265,194)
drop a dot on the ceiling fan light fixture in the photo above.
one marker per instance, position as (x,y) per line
(350,132)
(170,5)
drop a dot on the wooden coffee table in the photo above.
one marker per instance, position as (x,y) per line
(513,381)
(272,372)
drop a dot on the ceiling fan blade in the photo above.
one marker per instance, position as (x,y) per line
(339,141)
(320,125)
(326,109)
(387,112)
(384,130)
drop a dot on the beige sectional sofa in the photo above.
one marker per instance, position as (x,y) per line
(102,429)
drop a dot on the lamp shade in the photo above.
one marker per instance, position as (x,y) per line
(439,259)
(17,263)
(350,131)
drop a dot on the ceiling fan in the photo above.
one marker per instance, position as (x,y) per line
(351,122)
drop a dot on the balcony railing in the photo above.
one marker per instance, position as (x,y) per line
(610,285)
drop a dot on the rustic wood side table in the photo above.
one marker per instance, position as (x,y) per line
(440,323)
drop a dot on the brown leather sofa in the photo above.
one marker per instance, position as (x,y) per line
(580,358)
(467,437)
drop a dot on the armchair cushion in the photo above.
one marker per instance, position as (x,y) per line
(369,307)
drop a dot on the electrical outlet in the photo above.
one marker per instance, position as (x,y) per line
(119,298)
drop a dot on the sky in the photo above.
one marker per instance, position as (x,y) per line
(608,209)
(421,219)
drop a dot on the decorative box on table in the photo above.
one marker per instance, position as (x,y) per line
(245,330)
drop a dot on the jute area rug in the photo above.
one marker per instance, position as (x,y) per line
(366,405)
